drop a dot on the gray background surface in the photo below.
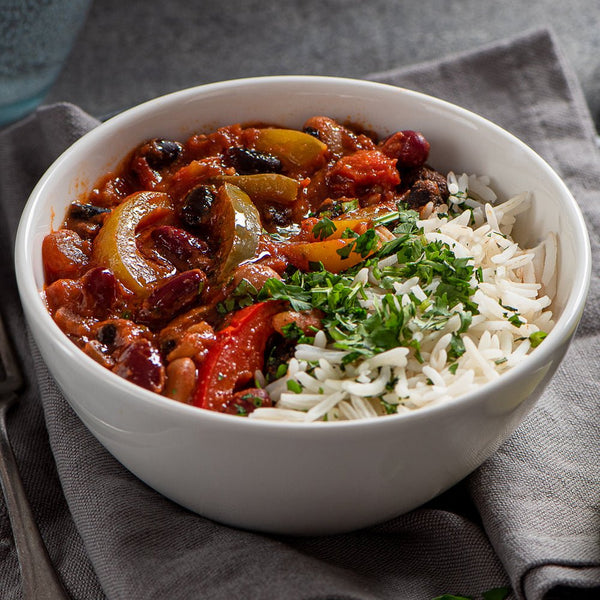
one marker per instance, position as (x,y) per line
(130,51)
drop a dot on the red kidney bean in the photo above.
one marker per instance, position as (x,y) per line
(307,321)
(177,294)
(182,249)
(150,158)
(141,364)
(254,273)
(101,290)
(409,147)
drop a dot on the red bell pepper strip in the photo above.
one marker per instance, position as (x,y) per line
(238,352)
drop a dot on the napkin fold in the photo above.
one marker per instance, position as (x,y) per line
(528,518)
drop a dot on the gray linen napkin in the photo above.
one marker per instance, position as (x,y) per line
(527,518)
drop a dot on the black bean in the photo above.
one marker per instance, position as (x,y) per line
(250,162)
(160,153)
(197,205)
(167,346)
(312,131)
(84,212)
(107,334)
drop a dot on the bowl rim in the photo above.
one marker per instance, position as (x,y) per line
(564,327)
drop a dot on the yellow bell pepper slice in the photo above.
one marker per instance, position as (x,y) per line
(115,245)
(297,150)
(266,187)
(326,252)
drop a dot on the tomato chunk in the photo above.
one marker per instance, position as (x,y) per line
(363,169)
(65,255)
(236,355)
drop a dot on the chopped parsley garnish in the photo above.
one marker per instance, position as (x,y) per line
(536,338)
(515,320)
(281,371)
(336,208)
(243,295)
(349,205)
(363,244)
(457,347)
(389,407)
(294,333)
(323,228)
(291,331)
(295,294)
(348,233)
(294,386)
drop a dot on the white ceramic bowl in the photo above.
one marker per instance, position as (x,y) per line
(305,478)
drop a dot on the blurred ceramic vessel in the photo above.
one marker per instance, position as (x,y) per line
(36,38)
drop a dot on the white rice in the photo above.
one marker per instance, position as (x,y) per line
(395,381)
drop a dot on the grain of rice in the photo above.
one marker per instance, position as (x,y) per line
(434,376)
(277,414)
(326,404)
(260,378)
(299,401)
(363,275)
(373,388)
(505,255)
(362,407)
(396,357)
(519,353)
(347,410)
(320,339)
